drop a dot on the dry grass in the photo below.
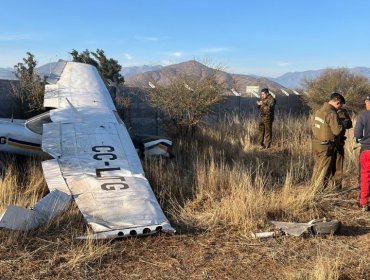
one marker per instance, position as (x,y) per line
(23,184)
(218,189)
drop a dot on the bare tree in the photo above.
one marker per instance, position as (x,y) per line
(353,87)
(186,100)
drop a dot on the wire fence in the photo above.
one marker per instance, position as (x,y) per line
(144,119)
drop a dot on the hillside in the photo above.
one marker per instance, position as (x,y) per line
(296,79)
(141,75)
(195,70)
(133,70)
(7,74)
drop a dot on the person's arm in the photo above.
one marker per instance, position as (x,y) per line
(359,128)
(348,121)
(271,102)
(332,121)
(345,119)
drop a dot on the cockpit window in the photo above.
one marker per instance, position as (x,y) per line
(35,124)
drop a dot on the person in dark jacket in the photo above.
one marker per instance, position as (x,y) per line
(266,105)
(362,135)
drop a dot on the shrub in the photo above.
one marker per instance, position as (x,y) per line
(184,101)
(353,87)
(29,91)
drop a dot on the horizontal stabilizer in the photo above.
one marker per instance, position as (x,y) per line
(44,211)
(19,218)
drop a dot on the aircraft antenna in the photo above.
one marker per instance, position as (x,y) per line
(74,109)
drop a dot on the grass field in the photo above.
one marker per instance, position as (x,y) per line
(219,189)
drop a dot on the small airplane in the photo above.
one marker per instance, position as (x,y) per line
(94,159)
(24,137)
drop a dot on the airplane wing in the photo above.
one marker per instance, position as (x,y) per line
(94,158)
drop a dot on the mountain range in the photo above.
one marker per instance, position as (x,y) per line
(133,70)
(140,76)
(296,79)
(195,70)
(7,74)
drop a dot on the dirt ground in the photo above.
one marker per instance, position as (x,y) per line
(194,254)
(222,250)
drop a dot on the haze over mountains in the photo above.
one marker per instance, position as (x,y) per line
(7,74)
(296,79)
(133,70)
(142,75)
(289,80)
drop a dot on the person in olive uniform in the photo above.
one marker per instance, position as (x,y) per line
(326,130)
(266,106)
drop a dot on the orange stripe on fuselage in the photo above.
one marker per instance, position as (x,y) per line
(23,146)
(163,147)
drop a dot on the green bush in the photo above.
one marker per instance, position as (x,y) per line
(29,91)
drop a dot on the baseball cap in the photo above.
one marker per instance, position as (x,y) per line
(367,97)
(338,96)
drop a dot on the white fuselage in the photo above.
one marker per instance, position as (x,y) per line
(24,137)
(16,138)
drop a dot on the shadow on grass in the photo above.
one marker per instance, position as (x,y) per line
(353,231)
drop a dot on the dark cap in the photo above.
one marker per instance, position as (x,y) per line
(367,97)
(337,96)
(265,90)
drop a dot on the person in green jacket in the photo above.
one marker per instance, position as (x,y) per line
(326,130)
(266,106)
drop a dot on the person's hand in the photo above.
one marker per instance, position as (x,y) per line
(259,102)
(346,123)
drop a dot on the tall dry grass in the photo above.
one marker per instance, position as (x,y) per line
(23,183)
(222,179)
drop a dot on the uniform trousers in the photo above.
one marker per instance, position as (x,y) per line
(328,164)
(265,132)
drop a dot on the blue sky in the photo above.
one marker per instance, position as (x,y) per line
(248,37)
